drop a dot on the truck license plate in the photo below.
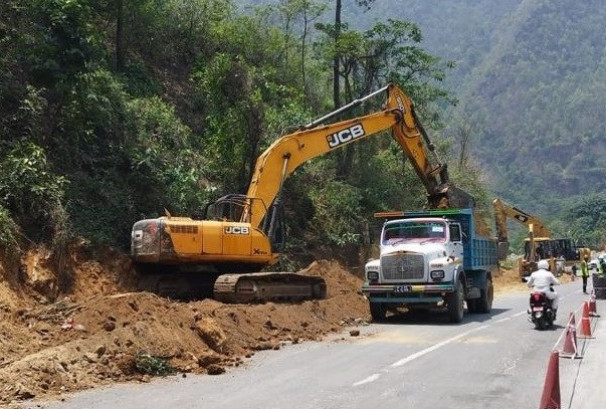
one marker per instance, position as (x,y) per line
(402,289)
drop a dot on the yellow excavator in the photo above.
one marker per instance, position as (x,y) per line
(538,245)
(225,247)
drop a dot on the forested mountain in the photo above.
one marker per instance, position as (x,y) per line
(116,111)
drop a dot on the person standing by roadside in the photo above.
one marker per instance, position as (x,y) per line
(573,275)
(584,275)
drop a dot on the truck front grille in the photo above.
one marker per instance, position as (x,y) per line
(402,266)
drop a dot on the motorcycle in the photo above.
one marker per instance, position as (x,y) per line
(541,313)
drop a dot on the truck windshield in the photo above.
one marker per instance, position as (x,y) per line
(414,231)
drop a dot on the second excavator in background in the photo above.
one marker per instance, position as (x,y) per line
(539,244)
(225,246)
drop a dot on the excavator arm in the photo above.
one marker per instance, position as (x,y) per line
(538,233)
(398,115)
(504,211)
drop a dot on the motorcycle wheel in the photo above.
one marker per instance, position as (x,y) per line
(541,323)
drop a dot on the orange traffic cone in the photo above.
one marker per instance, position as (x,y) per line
(551,391)
(585,322)
(592,305)
(570,349)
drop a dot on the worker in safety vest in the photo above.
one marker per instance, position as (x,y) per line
(584,274)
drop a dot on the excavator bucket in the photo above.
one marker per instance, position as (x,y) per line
(450,196)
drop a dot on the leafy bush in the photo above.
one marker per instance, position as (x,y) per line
(152,365)
(338,215)
(9,233)
(168,165)
(31,193)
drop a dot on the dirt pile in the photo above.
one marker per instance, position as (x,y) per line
(85,327)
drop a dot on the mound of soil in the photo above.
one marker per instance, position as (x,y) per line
(83,325)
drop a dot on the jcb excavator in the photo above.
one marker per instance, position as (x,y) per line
(538,245)
(237,236)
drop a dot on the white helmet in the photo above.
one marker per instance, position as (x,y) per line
(543,265)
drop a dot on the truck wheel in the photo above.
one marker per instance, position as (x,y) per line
(378,311)
(484,304)
(456,303)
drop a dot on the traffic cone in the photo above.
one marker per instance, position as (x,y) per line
(585,322)
(592,305)
(570,349)
(551,391)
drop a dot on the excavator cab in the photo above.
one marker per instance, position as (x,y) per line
(238,208)
(227,208)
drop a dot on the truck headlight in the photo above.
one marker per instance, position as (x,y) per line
(437,274)
(373,275)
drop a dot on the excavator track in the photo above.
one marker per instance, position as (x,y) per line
(169,281)
(271,286)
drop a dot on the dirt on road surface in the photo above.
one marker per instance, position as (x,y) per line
(85,327)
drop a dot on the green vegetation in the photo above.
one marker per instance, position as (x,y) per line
(113,111)
(147,364)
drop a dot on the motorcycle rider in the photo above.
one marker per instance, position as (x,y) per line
(542,280)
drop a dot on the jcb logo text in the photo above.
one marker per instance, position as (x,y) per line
(237,230)
(346,135)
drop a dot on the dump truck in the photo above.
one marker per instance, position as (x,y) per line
(431,259)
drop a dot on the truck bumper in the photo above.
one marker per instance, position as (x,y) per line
(406,294)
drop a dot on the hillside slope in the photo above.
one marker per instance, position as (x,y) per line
(537,104)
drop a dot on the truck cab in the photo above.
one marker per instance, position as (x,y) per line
(407,244)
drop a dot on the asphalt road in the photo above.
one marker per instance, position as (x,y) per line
(495,360)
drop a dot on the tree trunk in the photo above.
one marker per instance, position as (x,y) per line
(335,72)
(119,36)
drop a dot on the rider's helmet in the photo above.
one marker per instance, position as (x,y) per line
(543,265)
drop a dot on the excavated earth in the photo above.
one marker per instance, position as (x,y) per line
(83,326)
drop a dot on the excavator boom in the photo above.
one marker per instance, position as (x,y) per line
(287,153)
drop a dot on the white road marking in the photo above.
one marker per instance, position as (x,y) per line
(371,378)
(419,354)
(519,313)
(434,347)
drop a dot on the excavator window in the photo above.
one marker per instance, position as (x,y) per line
(226,208)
